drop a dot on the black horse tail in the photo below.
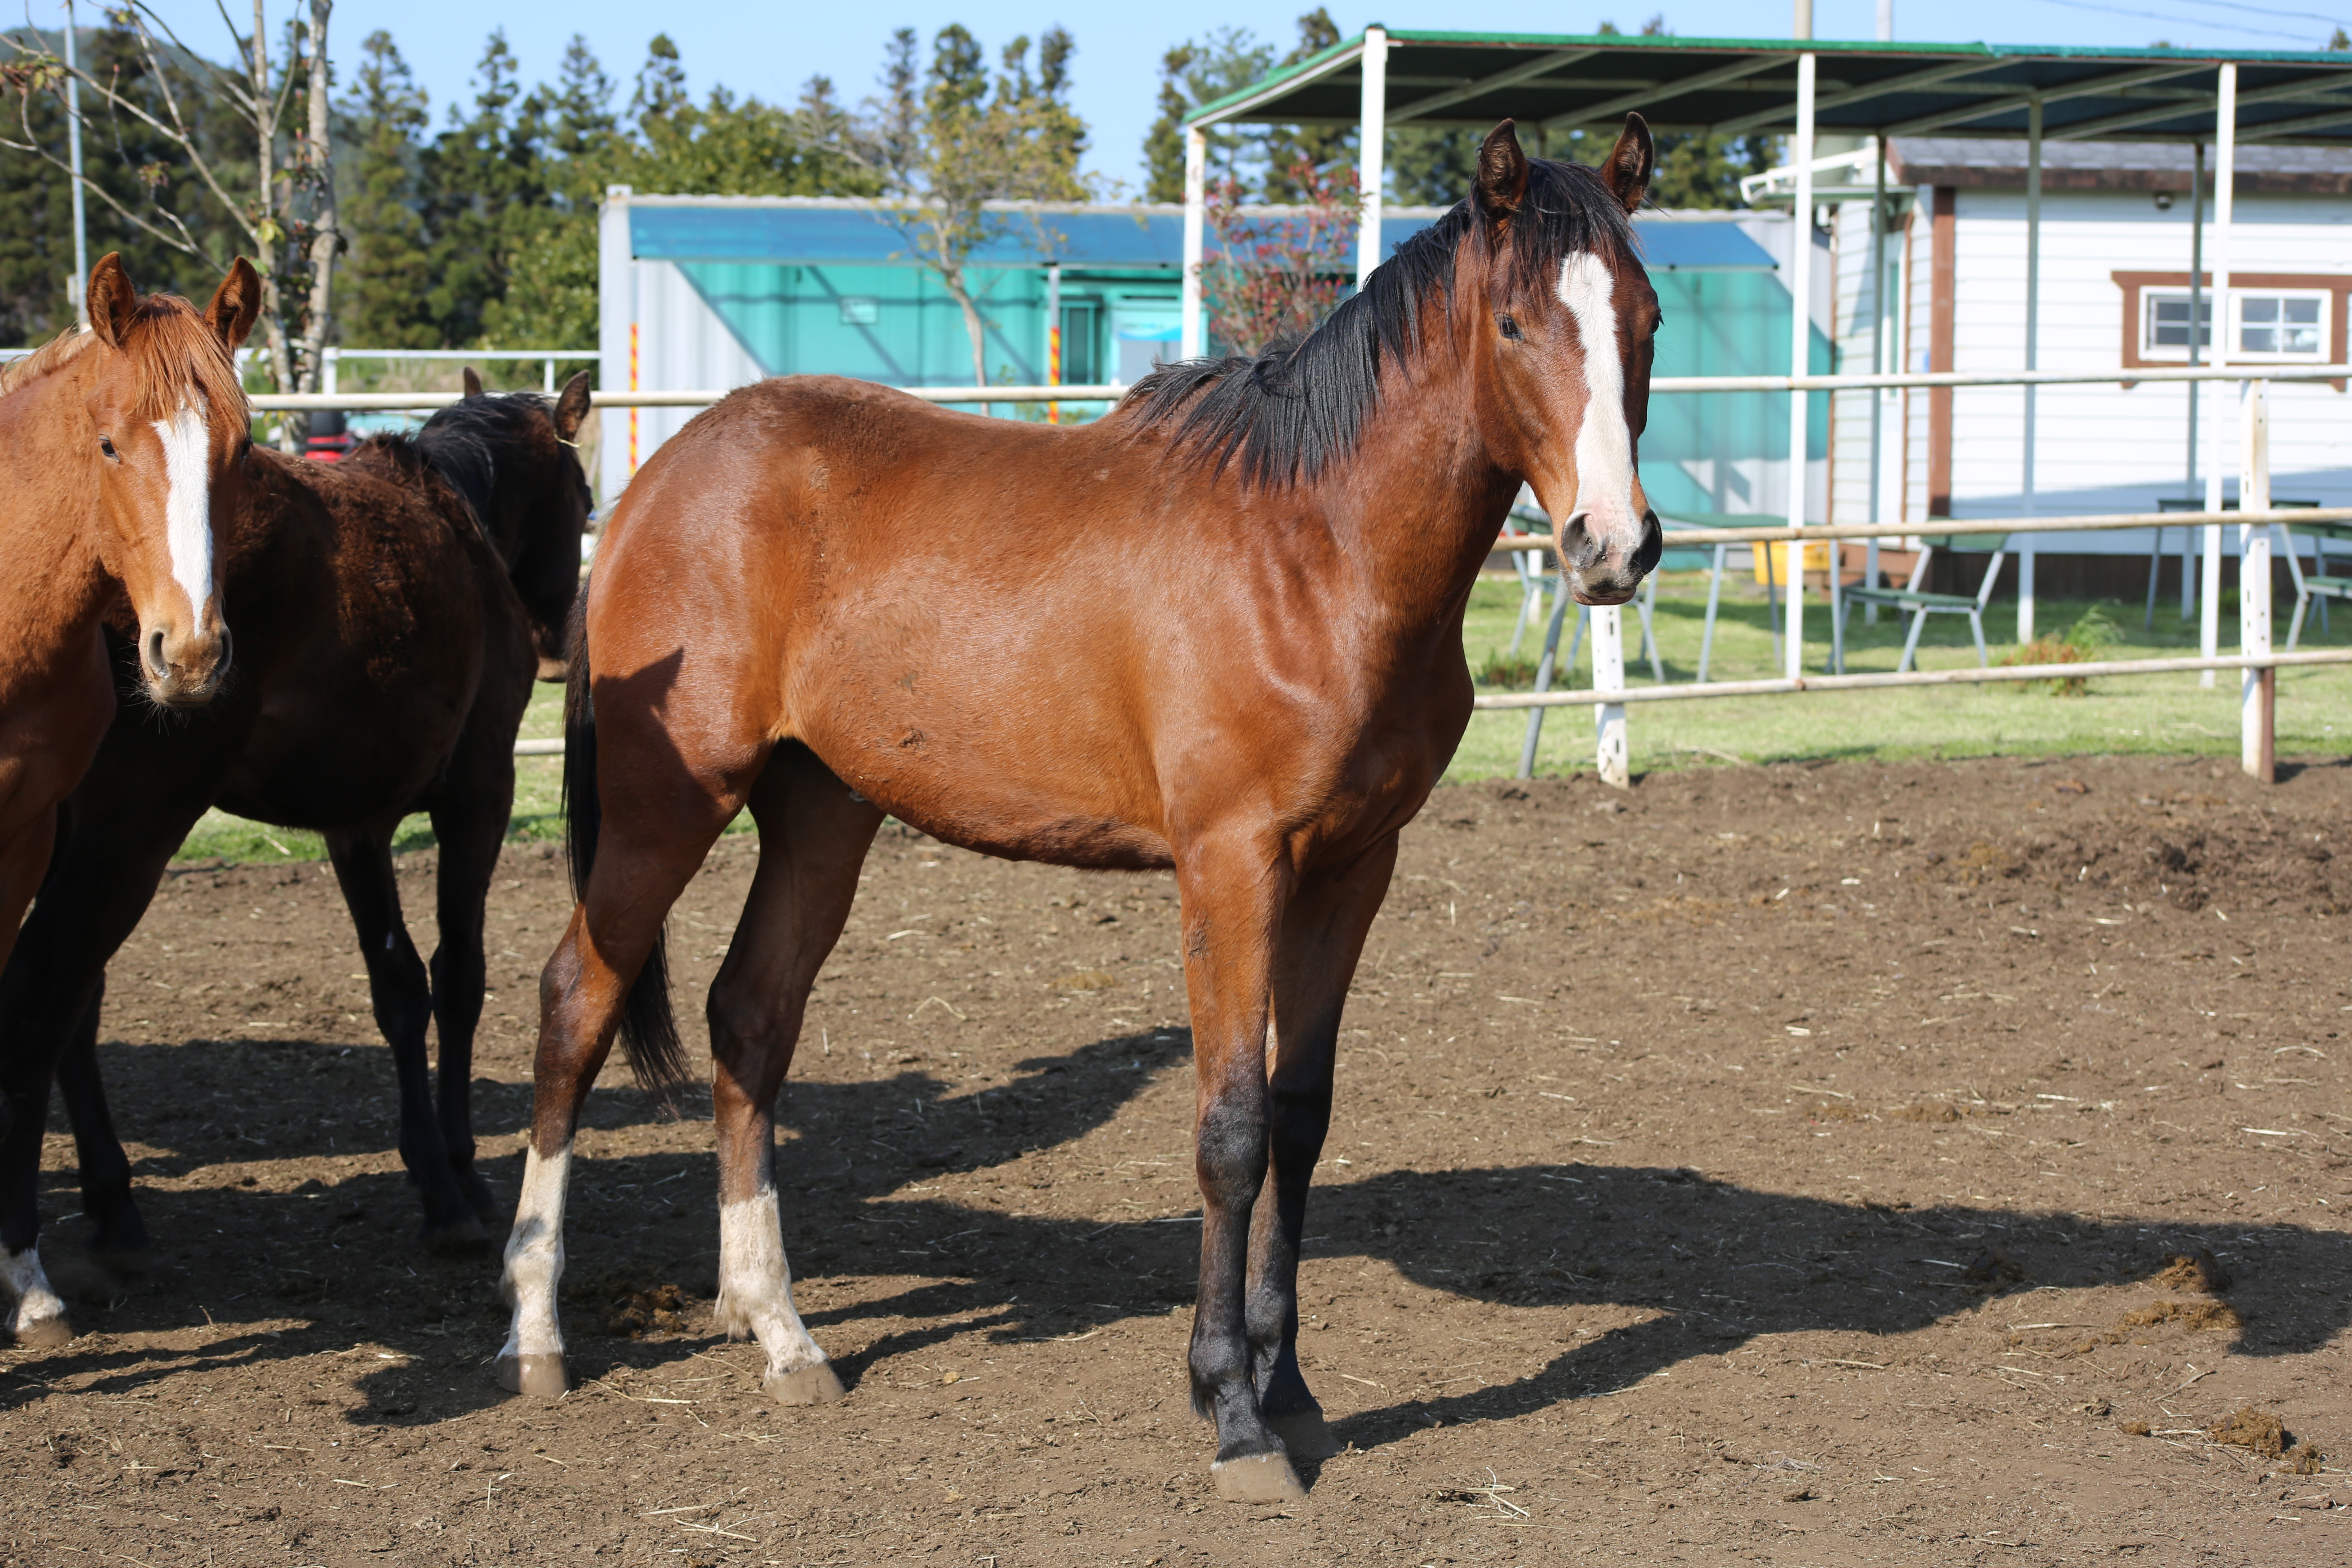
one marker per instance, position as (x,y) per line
(648,1026)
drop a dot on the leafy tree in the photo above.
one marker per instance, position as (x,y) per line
(1275,278)
(1263,158)
(37,287)
(390,270)
(267,184)
(1290,148)
(955,140)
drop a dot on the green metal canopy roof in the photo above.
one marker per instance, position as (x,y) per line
(1739,86)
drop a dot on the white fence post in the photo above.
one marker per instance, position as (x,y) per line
(2258,693)
(1609,675)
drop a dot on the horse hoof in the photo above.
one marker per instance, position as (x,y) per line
(1258,1477)
(818,1385)
(1304,1434)
(44,1334)
(462,1237)
(539,1376)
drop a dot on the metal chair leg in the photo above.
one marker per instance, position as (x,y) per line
(1648,608)
(2155,562)
(1543,683)
(1911,643)
(1838,614)
(1976,627)
(1714,597)
(2294,628)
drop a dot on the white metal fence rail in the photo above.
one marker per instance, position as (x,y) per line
(1610,696)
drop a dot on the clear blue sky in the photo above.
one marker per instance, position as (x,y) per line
(770,49)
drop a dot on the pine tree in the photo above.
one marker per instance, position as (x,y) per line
(389,273)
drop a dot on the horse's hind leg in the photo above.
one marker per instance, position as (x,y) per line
(660,815)
(403,994)
(813,835)
(118,1234)
(469,823)
(1322,937)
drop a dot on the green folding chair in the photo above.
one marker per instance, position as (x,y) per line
(1913,600)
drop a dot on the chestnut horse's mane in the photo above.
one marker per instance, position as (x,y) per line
(1289,411)
(172,349)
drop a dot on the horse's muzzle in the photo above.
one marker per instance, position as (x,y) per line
(1601,574)
(183,670)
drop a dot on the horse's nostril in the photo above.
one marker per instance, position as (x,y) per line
(227,652)
(1577,545)
(155,665)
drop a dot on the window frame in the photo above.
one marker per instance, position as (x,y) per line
(2337,286)
(2241,355)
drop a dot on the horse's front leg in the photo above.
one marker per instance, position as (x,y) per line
(1234,894)
(1322,937)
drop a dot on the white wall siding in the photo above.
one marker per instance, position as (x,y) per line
(2099,449)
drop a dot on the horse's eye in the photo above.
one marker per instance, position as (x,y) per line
(1510,328)
(106,445)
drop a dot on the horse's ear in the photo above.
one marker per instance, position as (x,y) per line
(1631,164)
(473,381)
(1501,173)
(571,407)
(236,304)
(112,300)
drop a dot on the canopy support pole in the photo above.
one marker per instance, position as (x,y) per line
(2225,182)
(1800,350)
(1877,360)
(1196,217)
(2032,353)
(2258,689)
(1372,143)
(2196,356)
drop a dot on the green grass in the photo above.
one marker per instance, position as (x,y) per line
(2162,713)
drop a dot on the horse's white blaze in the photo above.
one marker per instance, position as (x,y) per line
(187,509)
(1604,445)
(755,1284)
(27,1285)
(535,1256)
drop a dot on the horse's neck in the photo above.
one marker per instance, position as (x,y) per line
(52,585)
(1425,498)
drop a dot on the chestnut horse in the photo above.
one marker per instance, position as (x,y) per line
(391,609)
(123,452)
(1219,631)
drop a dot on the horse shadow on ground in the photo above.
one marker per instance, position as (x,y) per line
(1712,1264)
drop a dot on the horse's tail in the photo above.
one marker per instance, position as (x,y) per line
(649,1026)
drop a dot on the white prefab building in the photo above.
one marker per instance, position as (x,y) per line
(2121,224)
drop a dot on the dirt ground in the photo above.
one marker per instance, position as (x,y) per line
(1769,1165)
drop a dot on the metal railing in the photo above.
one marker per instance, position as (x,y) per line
(1608,697)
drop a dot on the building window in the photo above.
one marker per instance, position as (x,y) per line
(2165,334)
(2281,326)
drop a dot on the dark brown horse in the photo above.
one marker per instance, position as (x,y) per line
(390,609)
(1220,630)
(123,453)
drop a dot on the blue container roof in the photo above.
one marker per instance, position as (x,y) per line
(830,232)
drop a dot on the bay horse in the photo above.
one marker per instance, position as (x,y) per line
(1219,630)
(123,451)
(391,609)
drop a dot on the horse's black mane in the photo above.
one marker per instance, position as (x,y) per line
(1290,411)
(462,442)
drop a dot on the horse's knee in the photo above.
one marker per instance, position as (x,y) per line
(1230,1150)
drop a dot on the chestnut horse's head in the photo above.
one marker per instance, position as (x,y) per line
(167,427)
(1559,340)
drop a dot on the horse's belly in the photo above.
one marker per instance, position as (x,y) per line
(1016,807)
